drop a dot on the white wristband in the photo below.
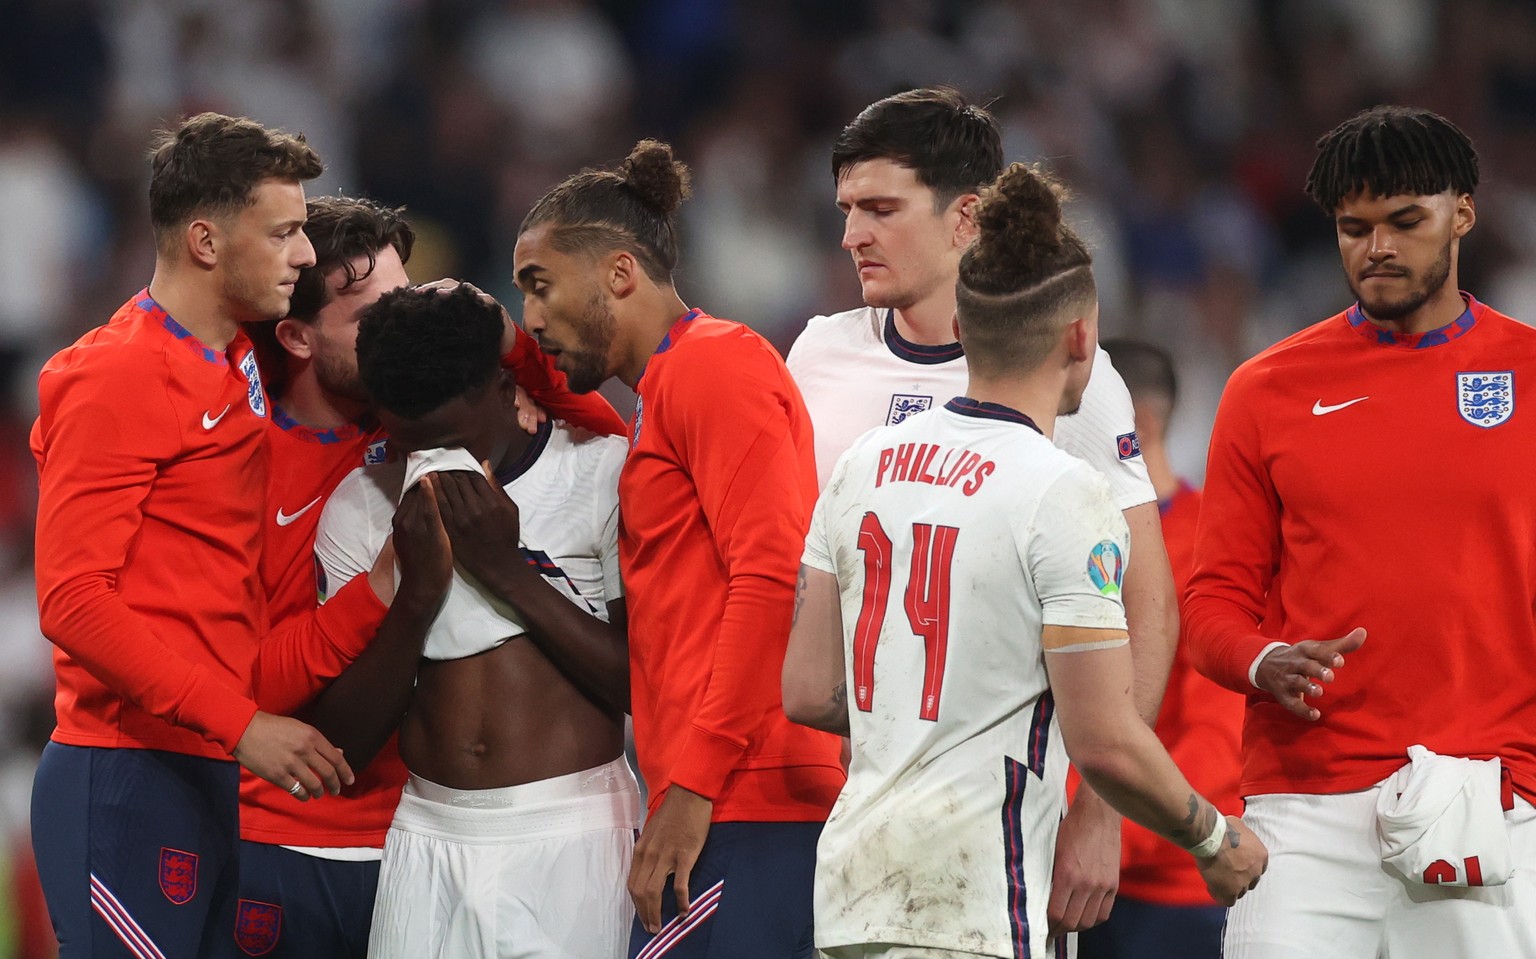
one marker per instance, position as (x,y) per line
(1253,669)
(1212,843)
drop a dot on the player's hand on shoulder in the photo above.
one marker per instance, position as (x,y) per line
(421,545)
(530,415)
(482,521)
(293,756)
(1237,866)
(1294,673)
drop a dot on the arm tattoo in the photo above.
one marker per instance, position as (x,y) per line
(1196,826)
(799,596)
(834,718)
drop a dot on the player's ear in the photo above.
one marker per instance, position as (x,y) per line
(1081,337)
(624,272)
(293,337)
(1464,217)
(506,390)
(965,226)
(202,239)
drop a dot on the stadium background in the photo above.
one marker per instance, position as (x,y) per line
(1184,126)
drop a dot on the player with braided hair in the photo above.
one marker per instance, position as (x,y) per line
(967,529)
(715,496)
(1423,395)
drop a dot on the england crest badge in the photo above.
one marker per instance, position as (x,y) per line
(178,875)
(257,926)
(1486,399)
(253,391)
(904,405)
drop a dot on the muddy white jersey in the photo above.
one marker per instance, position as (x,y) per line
(566,487)
(955,536)
(857,372)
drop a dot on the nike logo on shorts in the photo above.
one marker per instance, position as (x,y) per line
(209,422)
(283,519)
(1318,409)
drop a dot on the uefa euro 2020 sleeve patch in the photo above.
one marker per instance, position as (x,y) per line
(1105,567)
(1128,445)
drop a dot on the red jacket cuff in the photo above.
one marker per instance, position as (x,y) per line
(213,709)
(704,762)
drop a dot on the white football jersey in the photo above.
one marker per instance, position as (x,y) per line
(856,373)
(566,488)
(955,536)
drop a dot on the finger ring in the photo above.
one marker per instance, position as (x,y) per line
(297,789)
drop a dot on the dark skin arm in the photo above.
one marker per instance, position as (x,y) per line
(483,525)
(361,709)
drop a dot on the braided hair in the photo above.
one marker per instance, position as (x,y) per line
(633,208)
(1024,276)
(1391,151)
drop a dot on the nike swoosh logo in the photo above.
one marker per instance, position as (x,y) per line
(209,422)
(1318,409)
(283,519)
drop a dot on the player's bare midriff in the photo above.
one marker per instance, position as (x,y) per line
(503,718)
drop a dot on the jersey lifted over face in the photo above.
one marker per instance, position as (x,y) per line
(566,489)
(955,537)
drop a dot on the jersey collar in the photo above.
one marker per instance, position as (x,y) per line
(157,313)
(340,434)
(1453,330)
(966,406)
(673,335)
(923,353)
(530,455)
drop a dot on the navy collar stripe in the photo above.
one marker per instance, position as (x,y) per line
(530,456)
(924,353)
(966,406)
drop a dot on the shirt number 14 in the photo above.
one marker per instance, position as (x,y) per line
(926,602)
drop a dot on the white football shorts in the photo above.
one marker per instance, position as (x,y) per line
(535,871)
(1328,895)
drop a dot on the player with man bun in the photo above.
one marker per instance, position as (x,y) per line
(960,618)
(714,498)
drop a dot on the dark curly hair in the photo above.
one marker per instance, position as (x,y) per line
(1025,271)
(1391,151)
(953,146)
(341,229)
(634,209)
(211,164)
(417,349)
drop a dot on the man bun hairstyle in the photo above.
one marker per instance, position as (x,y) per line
(1025,275)
(1391,151)
(953,146)
(211,165)
(418,349)
(343,229)
(633,208)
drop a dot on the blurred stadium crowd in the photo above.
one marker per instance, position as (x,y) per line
(1184,126)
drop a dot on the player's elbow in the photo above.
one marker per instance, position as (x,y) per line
(1106,754)
(1107,768)
(60,604)
(799,703)
(813,704)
